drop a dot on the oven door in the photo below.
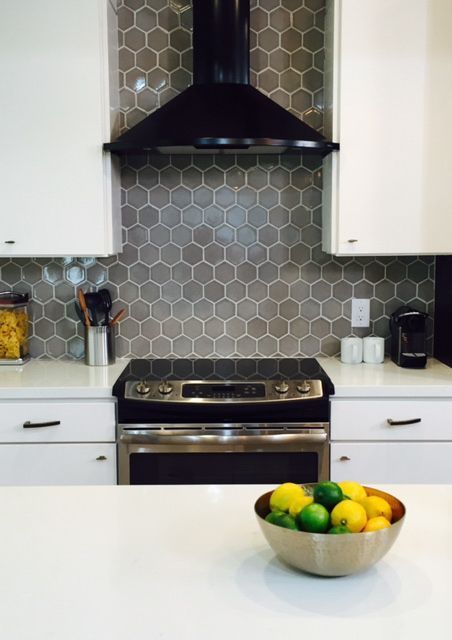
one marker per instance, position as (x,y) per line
(223,454)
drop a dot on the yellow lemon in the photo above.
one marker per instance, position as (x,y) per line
(299,503)
(349,514)
(376,506)
(375,524)
(283,495)
(353,490)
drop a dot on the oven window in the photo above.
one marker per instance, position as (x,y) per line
(223,468)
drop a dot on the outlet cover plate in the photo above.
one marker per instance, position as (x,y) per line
(360,312)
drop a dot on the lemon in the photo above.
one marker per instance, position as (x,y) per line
(283,495)
(376,506)
(353,490)
(349,513)
(375,524)
(299,503)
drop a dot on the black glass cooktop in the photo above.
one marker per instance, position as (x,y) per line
(224,369)
(134,411)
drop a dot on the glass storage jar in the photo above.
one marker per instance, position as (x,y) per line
(13,327)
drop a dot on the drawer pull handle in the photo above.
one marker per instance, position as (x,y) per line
(352,240)
(344,458)
(396,423)
(10,242)
(101,458)
(37,425)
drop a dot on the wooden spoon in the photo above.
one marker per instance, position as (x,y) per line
(117,317)
(84,308)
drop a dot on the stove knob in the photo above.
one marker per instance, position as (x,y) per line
(165,388)
(304,387)
(142,387)
(281,387)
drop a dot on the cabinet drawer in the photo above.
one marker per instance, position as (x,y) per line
(57,464)
(368,419)
(392,462)
(79,421)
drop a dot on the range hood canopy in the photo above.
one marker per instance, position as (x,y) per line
(221,112)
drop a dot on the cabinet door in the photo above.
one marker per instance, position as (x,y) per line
(60,192)
(388,191)
(391,419)
(57,464)
(58,421)
(382,462)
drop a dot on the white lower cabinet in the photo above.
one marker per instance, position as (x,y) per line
(58,464)
(396,440)
(392,462)
(58,442)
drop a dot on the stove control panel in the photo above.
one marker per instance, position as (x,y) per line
(229,390)
(219,392)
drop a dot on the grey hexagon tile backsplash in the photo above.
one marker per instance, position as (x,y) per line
(222,254)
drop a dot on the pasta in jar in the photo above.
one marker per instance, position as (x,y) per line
(13,326)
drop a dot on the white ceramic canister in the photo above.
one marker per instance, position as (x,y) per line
(351,350)
(373,350)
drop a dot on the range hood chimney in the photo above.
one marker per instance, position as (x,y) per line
(221,112)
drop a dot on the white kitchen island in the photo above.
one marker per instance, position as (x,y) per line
(108,563)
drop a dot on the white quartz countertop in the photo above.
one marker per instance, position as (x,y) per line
(388,380)
(58,379)
(108,563)
(73,379)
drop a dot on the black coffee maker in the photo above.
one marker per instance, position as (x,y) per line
(408,337)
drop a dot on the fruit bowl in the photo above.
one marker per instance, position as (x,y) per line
(330,555)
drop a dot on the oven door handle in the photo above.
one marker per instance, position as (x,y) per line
(210,439)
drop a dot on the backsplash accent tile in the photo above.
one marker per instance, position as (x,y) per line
(222,254)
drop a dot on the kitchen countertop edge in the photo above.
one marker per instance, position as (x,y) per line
(59,379)
(387,380)
(66,379)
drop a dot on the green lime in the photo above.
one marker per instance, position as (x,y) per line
(314,518)
(328,494)
(281,519)
(339,528)
(273,516)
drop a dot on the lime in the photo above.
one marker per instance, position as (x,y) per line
(281,519)
(350,514)
(283,495)
(298,504)
(328,494)
(314,518)
(376,506)
(377,523)
(273,516)
(352,490)
(339,528)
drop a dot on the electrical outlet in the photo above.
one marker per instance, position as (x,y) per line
(360,312)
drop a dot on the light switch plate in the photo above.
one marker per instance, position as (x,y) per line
(360,312)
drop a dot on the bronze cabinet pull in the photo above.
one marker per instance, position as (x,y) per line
(396,423)
(38,425)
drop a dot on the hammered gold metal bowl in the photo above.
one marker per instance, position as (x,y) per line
(331,555)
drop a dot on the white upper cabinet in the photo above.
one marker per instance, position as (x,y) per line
(59,103)
(388,76)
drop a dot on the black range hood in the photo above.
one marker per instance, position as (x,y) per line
(221,112)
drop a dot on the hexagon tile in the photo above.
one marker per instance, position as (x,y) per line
(222,254)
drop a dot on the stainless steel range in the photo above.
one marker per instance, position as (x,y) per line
(223,421)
